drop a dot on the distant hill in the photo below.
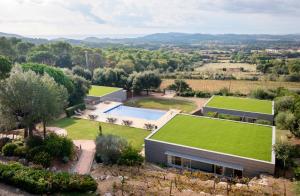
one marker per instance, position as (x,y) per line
(168,38)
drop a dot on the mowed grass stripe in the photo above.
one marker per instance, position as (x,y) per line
(243,104)
(80,129)
(246,140)
(101,90)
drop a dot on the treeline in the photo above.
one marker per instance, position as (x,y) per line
(64,55)
(282,66)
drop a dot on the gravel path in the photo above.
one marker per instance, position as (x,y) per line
(86,159)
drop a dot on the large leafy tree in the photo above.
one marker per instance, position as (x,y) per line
(44,57)
(28,98)
(145,81)
(5,67)
(110,77)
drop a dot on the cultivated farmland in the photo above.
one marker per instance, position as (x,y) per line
(242,86)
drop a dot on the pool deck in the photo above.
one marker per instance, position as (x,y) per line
(136,122)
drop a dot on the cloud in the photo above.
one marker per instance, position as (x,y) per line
(86,10)
(92,17)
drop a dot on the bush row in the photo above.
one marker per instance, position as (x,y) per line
(40,181)
(40,151)
(206,94)
(71,110)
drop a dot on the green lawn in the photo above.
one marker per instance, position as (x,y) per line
(99,91)
(163,104)
(243,104)
(80,129)
(246,140)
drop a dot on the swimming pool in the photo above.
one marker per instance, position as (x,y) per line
(125,111)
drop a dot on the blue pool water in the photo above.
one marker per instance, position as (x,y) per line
(148,114)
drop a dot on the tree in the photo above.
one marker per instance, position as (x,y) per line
(44,57)
(81,89)
(26,99)
(285,120)
(145,81)
(109,148)
(5,67)
(179,86)
(80,71)
(53,99)
(110,77)
(283,152)
(284,103)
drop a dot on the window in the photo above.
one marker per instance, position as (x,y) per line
(177,161)
(218,170)
(238,173)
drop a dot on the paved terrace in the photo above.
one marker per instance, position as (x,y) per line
(136,122)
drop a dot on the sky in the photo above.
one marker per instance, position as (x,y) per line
(123,18)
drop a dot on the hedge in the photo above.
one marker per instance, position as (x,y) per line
(40,181)
(71,110)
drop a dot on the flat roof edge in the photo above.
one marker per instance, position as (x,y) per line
(211,151)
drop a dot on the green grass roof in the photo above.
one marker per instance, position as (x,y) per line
(242,104)
(242,139)
(99,91)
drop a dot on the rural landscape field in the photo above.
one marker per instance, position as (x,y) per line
(168,98)
(242,86)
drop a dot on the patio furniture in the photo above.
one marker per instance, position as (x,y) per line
(111,120)
(150,126)
(127,122)
(92,116)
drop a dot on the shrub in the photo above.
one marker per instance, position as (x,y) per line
(58,146)
(40,181)
(263,122)
(229,117)
(285,120)
(8,149)
(20,151)
(34,141)
(110,148)
(42,158)
(130,157)
(262,94)
(4,141)
(297,173)
(285,103)
(71,110)
(33,151)
(202,94)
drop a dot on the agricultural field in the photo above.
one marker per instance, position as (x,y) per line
(227,65)
(242,86)
(238,70)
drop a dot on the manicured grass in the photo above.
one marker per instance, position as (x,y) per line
(80,129)
(243,104)
(99,91)
(242,139)
(163,104)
